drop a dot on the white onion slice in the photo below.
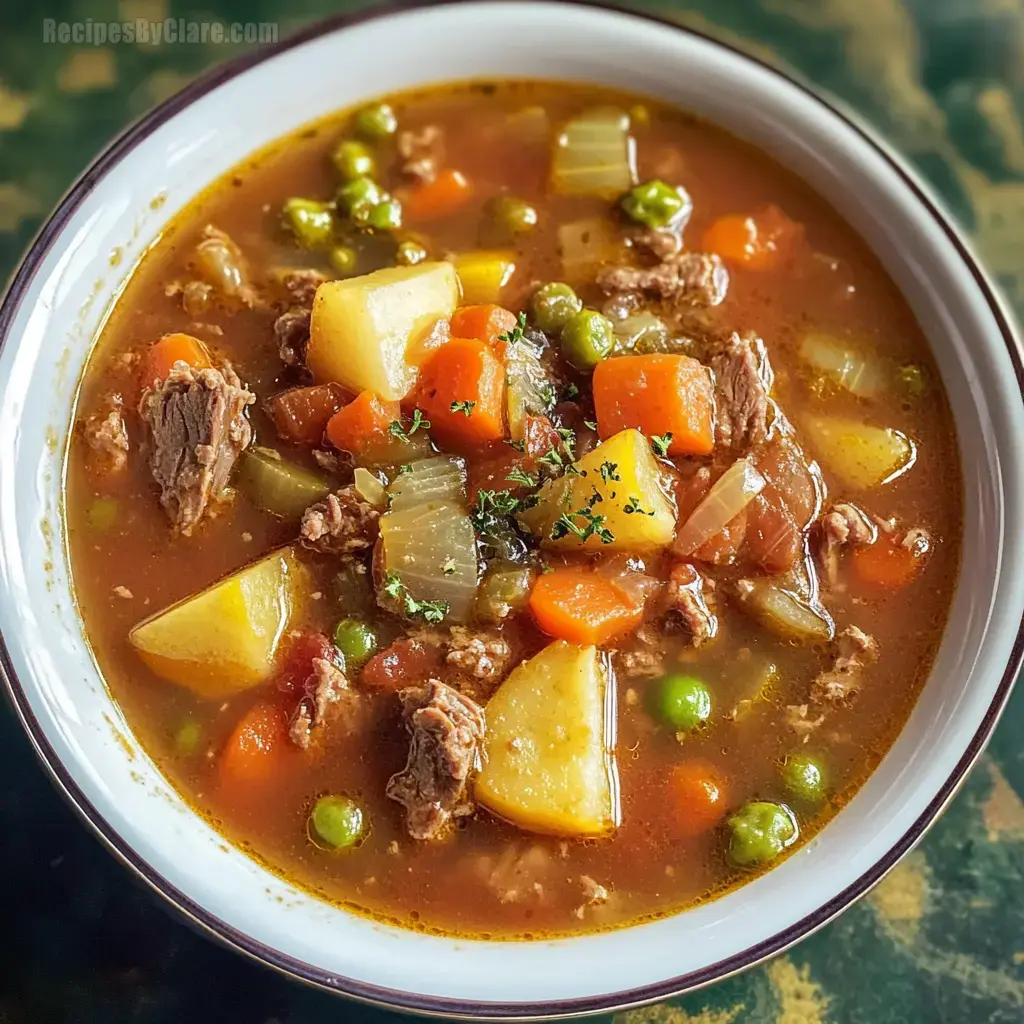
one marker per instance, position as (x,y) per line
(730,495)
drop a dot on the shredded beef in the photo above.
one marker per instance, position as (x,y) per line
(301,285)
(291,329)
(798,719)
(917,540)
(328,699)
(107,436)
(660,244)
(693,278)
(341,524)
(483,655)
(744,378)
(684,600)
(446,729)
(422,152)
(844,525)
(838,685)
(198,428)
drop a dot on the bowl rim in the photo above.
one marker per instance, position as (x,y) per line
(208,923)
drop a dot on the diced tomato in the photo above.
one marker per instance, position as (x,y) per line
(296,659)
(406,661)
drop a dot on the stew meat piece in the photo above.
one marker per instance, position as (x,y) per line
(291,328)
(743,376)
(688,278)
(328,698)
(838,685)
(341,524)
(684,600)
(446,729)
(108,437)
(197,428)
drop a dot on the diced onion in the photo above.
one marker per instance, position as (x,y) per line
(843,363)
(585,245)
(730,495)
(642,331)
(432,547)
(595,155)
(627,574)
(369,488)
(441,478)
(529,391)
(784,612)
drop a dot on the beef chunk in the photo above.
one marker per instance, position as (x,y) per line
(844,525)
(422,152)
(446,729)
(327,699)
(838,685)
(684,600)
(743,378)
(798,719)
(481,654)
(301,286)
(107,436)
(662,245)
(341,524)
(291,329)
(198,428)
(688,278)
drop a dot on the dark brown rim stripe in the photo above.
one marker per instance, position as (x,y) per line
(391,998)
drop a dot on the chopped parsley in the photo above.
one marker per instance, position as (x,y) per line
(552,457)
(609,472)
(590,425)
(419,422)
(520,476)
(633,505)
(571,392)
(547,395)
(592,526)
(463,407)
(519,446)
(431,612)
(660,443)
(516,334)
(405,468)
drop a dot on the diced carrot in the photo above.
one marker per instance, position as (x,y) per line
(437,199)
(170,349)
(361,423)
(462,392)
(583,607)
(657,394)
(254,752)
(886,563)
(696,796)
(485,323)
(758,242)
(301,415)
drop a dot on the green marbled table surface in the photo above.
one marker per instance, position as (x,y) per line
(940,940)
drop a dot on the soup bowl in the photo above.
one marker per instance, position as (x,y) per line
(77,267)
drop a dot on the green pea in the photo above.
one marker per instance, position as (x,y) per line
(353,160)
(336,822)
(102,514)
(344,260)
(356,641)
(410,253)
(376,122)
(553,306)
(311,222)
(186,739)
(682,701)
(804,778)
(759,831)
(654,203)
(513,216)
(587,338)
(359,196)
(385,215)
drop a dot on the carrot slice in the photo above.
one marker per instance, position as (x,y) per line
(437,199)
(758,242)
(697,796)
(170,349)
(362,423)
(657,394)
(886,564)
(583,607)
(462,392)
(301,415)
(485,323)
(253,753)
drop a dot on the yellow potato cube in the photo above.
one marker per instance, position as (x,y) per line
(860,455)
(636,511)
(483,275)
(362,328)
(549,759)
(223,639)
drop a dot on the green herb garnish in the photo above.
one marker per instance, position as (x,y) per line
(592,526)
(660,443)
(609,471)
(431,612)
(419,422)
(516,334)
(633,505)
(463,407)
(520,476)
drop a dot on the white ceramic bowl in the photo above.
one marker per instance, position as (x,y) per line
(63,291)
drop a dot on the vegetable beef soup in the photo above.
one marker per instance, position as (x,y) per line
(513,509)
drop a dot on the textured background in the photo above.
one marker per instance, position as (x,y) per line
(941,940)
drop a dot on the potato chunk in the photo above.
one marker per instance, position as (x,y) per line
(549,760)
(483,275)
(624,474)
(362,327)
(860,455)
(223,639)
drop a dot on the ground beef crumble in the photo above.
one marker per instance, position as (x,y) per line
(853,649)
(341,524)
(446,729)
(107,436)
(684,600)
(483,655)
(197,430)
(422,152)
